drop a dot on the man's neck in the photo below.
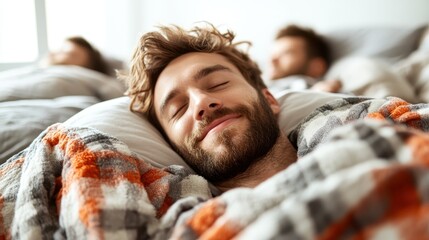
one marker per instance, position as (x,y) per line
(280,157)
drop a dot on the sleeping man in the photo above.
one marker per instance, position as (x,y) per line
(300,59)
(213,107)
(77,51)
(76,68)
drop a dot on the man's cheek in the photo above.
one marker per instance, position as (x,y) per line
(184,138)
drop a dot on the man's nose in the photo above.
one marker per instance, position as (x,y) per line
(205,103)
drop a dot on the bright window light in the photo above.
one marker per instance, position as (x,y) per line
(66,18)
(18,36)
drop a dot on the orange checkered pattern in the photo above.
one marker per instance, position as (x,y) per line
(80,184)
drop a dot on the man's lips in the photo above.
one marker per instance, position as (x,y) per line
(216,123)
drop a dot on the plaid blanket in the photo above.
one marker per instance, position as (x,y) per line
(78,183)
(355,179)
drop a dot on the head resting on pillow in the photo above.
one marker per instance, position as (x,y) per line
(208,99)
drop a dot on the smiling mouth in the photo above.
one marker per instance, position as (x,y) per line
(217,123)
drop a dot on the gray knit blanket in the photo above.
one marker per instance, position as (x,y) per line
(362,173)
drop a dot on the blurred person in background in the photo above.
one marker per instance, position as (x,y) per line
(299,60)
(77,51)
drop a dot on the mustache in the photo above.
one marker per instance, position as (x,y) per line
(213,116)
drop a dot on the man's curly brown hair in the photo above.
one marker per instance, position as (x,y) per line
(157,49)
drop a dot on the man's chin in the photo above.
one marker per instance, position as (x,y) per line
(214,148)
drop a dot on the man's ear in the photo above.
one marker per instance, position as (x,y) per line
(317,67)
(272,101)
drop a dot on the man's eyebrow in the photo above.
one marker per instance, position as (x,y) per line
(208,70)
(198,75)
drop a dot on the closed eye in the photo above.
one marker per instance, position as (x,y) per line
(219,85)
(178,111)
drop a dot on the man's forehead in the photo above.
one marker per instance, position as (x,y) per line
(183,68)
(294,44)
(190,63)
(290,40)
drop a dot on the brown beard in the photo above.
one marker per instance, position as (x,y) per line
(252,146)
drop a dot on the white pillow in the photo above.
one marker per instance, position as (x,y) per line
(372,78)
(113,117)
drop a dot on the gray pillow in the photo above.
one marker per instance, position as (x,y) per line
(23,120)
(35,82)
(386,43)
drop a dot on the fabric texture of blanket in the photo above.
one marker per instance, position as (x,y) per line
(362,173)
(82,184)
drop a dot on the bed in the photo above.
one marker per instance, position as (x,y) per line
(107,173)
(374,62)
(32,98)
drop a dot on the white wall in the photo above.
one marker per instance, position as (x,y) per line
(258,20)
(114,26)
